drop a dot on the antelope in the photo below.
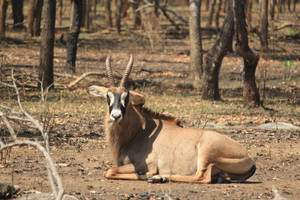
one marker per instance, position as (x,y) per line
(150,146)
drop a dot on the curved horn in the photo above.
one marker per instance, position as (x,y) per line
(109,71)
(127,72)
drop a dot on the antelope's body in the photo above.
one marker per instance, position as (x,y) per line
(147,145)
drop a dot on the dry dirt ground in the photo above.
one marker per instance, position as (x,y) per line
(162,73)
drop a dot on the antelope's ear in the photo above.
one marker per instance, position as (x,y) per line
(98,91)
(136,98)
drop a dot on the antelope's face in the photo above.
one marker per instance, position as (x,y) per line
(117,102)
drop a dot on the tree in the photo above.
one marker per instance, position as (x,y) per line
(34,17)
(214,57)
(72,37)
(195,37)
(3,9)
(17,7)
(264,24)
(108,18)
(250,91)
(47,44)
(85,16)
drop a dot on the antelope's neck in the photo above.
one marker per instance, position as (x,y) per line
(121,133)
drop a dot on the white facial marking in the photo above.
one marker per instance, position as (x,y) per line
(111,98)
(123,97)
(115,114)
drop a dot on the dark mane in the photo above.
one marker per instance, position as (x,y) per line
(157,115)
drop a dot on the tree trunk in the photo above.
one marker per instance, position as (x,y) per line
(211,13)
(195,37)
(272,9)
(136,14)
(60,12)
(17,8)
(214,57)
(219,6)
(249,14)
(264,24)
(118,15)
(34,17)
(108,18)
(207,5)
(72,37)
(85,22)
(250,91)
(3,9)
(47,44)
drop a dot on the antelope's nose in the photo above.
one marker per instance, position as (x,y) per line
(116,114)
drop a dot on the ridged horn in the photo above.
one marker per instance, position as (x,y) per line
(127,72)
(109,71)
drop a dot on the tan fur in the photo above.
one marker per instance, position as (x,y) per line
(148,145)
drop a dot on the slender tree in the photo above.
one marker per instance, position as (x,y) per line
(3,9)
(264,24)
(108,18)
(17,8)
(118,15)
(47,44)
(211,12)
(214,57)
(72,37)
(250,91)
(195,37)
(34,17)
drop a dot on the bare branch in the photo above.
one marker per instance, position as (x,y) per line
(46,154)
(10,129)
(84,75)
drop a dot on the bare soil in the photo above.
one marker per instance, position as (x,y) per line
(162,73)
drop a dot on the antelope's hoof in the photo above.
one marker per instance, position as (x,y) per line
(109,173)
(157,179)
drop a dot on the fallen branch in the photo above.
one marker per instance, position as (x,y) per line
(286,26)
(84,75)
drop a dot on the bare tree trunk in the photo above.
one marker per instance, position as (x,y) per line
(34,17)
(219,6)
(214,57)
(196,58)
(249,14)
(118,15)
(3,9)
(47,44)
(211,13)
(95,7)
(279,7)
(72,37)
(294,5)
(136,14)
(17,7)
(264,24)
(108,18)
(60,12)
(224,6)
(272,9)
(85,22)
(207,5)
(250,91)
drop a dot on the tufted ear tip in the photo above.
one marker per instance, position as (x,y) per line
(97,91)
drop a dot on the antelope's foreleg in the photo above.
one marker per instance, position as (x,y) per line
(127,172)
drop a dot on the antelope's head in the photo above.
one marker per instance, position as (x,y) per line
(118,98)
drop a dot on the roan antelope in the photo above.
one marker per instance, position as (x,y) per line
(154,147)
